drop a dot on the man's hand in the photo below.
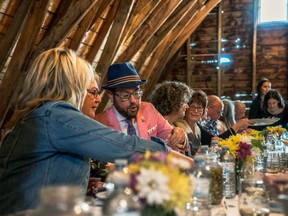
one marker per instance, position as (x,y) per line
(242,124)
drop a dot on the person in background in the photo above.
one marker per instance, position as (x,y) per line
(227,120)
(275,106)
(240,110)
(190,123)
(170,98)
(256,108)
(131,115)
(51,141)
(214,111)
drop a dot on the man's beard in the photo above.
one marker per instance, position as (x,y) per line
(125,111)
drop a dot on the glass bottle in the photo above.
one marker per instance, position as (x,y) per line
(229,179)
(215,148)
(216,184)
(62,201)
(120,200)
(200,201)
(118,174)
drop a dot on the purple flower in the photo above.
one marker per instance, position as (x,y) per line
(244,150)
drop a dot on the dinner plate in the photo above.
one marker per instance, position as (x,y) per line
(264,121)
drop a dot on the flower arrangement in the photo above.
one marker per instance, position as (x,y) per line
(245,146)
(276,130)
(161,182)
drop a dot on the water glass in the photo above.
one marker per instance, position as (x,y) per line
(253,198)
(273,162)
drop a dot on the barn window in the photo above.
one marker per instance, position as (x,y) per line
(272,10)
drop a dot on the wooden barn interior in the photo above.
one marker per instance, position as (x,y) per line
(180,40)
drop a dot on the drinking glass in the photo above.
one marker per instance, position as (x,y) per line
(273,162)
(253,198)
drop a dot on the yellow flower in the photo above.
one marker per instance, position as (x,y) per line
(277,130)
(232,143)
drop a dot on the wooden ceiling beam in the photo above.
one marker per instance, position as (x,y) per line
(172,22)
(65,24)
(104,29)
(59,32)
(113,41)
(148,28)
(11,80)
(13,32)
(173,34)
(103,6)
(84,26)
(170,50)
(141,11)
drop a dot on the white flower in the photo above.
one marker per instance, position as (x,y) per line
(153,186)
(246,139)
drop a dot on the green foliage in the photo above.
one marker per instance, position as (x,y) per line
(257,144)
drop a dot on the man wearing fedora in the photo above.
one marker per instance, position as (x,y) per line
(131,116)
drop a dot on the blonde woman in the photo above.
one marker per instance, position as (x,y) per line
(52,141)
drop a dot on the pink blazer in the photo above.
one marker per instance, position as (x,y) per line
(149,121)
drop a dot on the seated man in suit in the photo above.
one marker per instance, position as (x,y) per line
(132,116)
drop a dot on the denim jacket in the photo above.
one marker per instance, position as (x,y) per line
(52,146)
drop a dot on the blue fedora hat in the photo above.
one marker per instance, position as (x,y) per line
(122,75)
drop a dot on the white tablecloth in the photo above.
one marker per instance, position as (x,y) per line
(230,207)
(230,210)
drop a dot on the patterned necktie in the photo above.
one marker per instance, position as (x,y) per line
(130,129)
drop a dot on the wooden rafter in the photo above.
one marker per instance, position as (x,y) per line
(13,32)
(115,33)
(63,27)
(18,62)
(105,28)
(163,31)
(59,32)
(148,28)
(179,40)
(84,26)
(175,33)
(141,11)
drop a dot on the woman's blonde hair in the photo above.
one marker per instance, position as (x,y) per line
(56,75)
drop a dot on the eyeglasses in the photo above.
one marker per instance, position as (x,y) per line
(94,92)
(125,96)
(196,108)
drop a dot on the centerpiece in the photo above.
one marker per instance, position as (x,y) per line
(246,148)
(161,182)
